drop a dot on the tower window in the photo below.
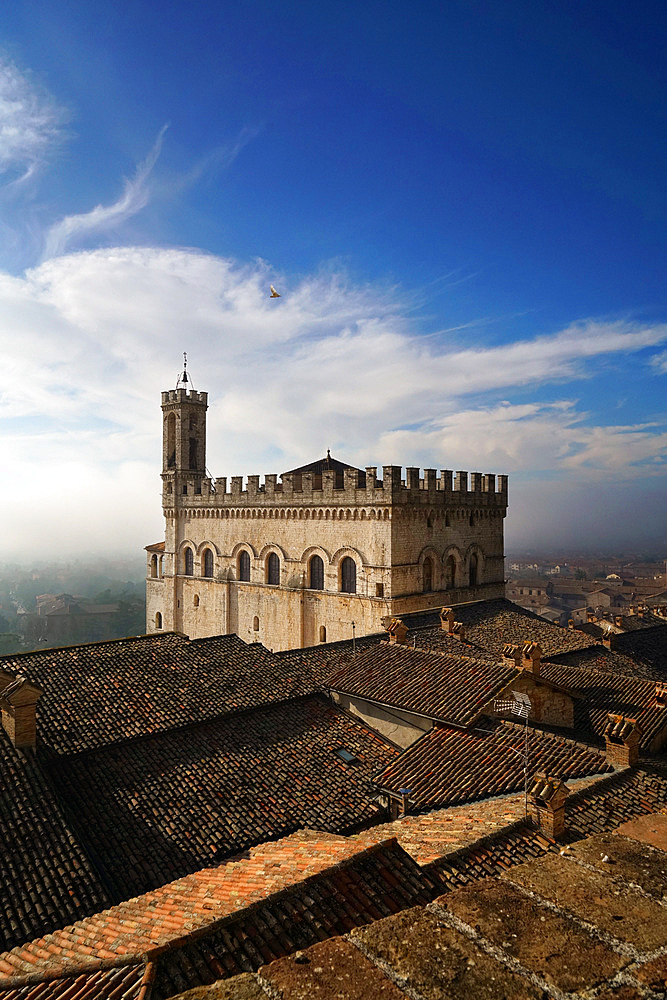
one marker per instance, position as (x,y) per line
(273,570)
(316,567)
(195,602)
(348,576)
(188,562)
(158,620)
(450,570)
(154,567)
(427,575)
(192,464)
(323,633)
(244,566)
(255,624)
(207,563)
(472,571)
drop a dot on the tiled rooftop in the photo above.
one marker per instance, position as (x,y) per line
(606,692)
(157,808)
(447,687)
(125,983)
(448,766)
(297,889)
(491,624)
(648,646)
(608,661)
(107,692)
(556,926)
(46,879)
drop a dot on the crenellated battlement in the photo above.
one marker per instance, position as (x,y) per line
(184,396)
(396,486)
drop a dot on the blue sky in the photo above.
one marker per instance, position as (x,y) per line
(462,203)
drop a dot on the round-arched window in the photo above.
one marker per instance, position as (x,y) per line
(427,575)
(188,562)
(348,576)
(273,570)
(244,566)
(316,573)
(472,571)
(450,572)
(207,563)
(158,620)
(154,567)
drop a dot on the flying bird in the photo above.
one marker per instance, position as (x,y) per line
(274,294)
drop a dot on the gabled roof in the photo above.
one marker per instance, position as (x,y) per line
(489,625)
(320,465)
(648,646)
(607,692)
(46,878)
(442,686)
(448,766)
(107,692)
(316,885)
(157,808)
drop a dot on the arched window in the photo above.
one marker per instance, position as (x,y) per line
(207,563)
(323,633)
(154,567)
(427,575)
(171,440)
(255,624)
(273,570)
(195,601)
(472,571)
(160,565)
(244,566)
(348,576)
(450,573)
(188,562)
(158,620)
(316,567)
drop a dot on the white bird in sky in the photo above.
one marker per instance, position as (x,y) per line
(274,294)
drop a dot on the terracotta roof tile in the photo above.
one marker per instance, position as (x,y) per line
(448,687)
(46,878)
(448,766)
(159,807)
(124,983)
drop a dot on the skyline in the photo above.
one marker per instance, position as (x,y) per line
(462,209)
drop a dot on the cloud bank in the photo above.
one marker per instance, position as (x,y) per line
(90,340)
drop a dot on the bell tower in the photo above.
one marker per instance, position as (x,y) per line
(183,438)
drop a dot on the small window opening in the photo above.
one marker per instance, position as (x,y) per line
(472,573)
(323,633)
(196,601)
(158,620)
(379,590)
(450,567)
(255,624)
(192,457)
(345,755)
(427,575)
(154,567)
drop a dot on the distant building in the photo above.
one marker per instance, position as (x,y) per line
(327,550)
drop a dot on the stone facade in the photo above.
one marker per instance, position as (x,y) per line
(244,556)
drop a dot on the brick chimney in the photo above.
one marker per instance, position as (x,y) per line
(397,630)
(512,655)
(661,696)
(447,620)
(459,631)
(531,658)
(622,736)
(18,700)
(547,804)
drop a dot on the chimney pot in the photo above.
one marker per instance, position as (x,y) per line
(622,736)
(18,701)
(447,620)
(547,798)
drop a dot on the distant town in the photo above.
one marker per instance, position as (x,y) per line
(51,604)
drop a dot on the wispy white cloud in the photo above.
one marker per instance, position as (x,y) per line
(135,196)
(90,340)
(31,124)
(659,362)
